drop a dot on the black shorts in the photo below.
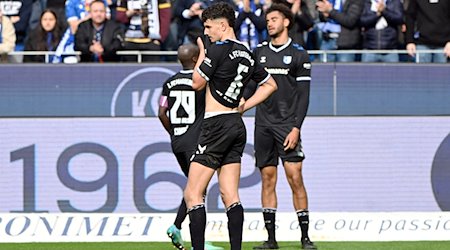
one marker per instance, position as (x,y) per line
(269,146)
(222,140)
(184,159)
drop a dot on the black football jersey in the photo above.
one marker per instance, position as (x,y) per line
(290,66)
(186,108)
(228,67)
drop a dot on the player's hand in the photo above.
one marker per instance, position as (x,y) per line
(292,139)
(241,106)
(200,44)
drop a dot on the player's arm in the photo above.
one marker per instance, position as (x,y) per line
(199,79)
(262,93)
(163,108)
(303,73)
(303,88)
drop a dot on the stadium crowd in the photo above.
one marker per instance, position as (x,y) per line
(164,25)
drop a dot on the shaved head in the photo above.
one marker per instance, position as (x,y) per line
(188,54)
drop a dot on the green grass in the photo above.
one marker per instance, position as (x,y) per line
(397,245)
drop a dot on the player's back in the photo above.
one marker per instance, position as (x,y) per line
(186,109)
(229,65)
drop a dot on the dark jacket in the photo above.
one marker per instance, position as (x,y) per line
(350,36)
(386,38)
(302,23)
(111,40)
(431,20)
(10,9)
(191,27)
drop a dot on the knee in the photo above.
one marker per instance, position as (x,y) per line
(229,197)
(189,197)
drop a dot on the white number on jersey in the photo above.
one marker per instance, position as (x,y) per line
(235,87)
(186,100)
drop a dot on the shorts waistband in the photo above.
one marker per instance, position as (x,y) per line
(216,113)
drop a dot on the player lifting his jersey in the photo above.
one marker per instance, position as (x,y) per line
(225,67)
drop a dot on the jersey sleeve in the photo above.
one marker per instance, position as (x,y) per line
(260,75)
(303,79)
(212,60)
(163,101)
(303,68)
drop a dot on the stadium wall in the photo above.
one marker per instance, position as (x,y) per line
(83,158)
(131,90)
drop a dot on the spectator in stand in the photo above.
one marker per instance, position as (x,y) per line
(188,13)
(302,19)
(380,20)
(403,57)
(148,25)
(189,24)
(59,7)
(76,11)
(428,28)
(7,37)
(250,25)
(45,37)
(340,27)
(19,12)
(99,38)
(112,5)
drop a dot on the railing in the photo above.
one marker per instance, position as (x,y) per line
(322,53)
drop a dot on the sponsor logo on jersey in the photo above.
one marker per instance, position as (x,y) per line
(262,59)
(307,65)
(287,59)
(277,71)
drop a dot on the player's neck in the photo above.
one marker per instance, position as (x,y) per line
(228,34)
(281,39)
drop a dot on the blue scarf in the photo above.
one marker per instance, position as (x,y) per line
(66,45)
(332,25)
(248,33)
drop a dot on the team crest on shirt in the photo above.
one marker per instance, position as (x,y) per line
(287,59)
(263,59)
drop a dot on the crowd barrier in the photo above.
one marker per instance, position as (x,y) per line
(320,54)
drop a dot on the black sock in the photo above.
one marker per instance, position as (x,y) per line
(269,221)
(303,220)
(181,214)
(197,217)
(235,214)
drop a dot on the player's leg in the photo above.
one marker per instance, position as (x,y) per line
(193,195)
(229,176)
(267,160)
(173,231)
(294,177)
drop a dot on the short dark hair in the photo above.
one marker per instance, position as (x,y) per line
(220,10)
(284,10)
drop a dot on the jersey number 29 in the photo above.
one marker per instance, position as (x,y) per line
(186,100)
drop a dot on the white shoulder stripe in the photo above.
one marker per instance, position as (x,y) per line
(303,78)
(265,79)
(203,74)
